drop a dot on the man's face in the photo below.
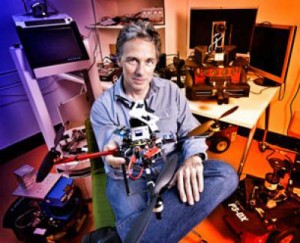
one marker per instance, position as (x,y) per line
(138,62)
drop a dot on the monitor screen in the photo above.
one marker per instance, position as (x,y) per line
(270,52)
(51,45)
(239,27)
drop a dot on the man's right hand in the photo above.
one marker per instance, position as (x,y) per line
(112,160)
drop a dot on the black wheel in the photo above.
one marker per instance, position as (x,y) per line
(284,236)
(219,144)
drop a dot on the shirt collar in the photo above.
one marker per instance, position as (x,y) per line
(119,93)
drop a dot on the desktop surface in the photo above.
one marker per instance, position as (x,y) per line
(249,111)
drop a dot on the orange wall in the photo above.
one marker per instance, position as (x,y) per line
(274,11)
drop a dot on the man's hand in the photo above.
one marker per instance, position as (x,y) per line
(189,178)
(111,160)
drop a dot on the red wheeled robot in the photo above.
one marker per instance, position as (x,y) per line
(220,141)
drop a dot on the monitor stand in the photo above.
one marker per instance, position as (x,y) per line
(266,82)
(36,98)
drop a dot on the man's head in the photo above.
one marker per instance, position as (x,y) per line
(140,29)
(138,49)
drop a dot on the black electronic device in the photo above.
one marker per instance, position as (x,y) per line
(270,52)
(39,9)
(109,74)
(60,214)
(220,93)
(267,209)
(51,44)
(260,213)
(202,56)
(294,181)
(216,83)
(235,25)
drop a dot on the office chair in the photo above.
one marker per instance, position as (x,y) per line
(104,221)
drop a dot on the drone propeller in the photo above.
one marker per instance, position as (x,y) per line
(210,125)
(48,161)
(141,222)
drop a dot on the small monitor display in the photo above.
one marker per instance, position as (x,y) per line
(239,27)
(270,52)
(52,45)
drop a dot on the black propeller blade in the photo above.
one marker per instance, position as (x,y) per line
(167,173)
(141,222)
(203,128)
(48,161)
(209,125)
(226,113)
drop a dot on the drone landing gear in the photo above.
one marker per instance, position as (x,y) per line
(158,208)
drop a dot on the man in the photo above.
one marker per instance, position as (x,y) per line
(201,184)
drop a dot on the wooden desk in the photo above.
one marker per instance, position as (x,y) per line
(247,115)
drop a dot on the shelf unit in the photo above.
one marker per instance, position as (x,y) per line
(118,27)
(112,8)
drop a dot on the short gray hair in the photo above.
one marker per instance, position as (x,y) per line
(139,29)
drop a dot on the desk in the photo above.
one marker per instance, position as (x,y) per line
(247,115)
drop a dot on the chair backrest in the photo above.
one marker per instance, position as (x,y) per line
(102,211)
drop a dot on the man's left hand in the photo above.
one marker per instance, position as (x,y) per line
(189,178)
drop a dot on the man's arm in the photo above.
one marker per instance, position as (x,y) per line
(189,177)
(102,119)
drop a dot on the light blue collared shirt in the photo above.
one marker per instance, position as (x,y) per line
(111,111)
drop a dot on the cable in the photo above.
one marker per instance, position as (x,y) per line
(8,86)
(263,89)
(281,96)
(31,218)
(295,95)
(258,93)
(282,151)
(291,105)
(216,41)
(13,95)
(8,72)
(98,45)
(51,5)
(25,99)
(25,6)
(13,102)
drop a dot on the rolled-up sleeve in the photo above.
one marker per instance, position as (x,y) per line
(186,123)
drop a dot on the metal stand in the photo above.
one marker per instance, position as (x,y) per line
(250,138)
(34,94)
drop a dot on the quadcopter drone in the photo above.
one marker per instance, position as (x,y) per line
(140,147)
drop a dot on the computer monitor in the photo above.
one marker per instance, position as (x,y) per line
(270,52)
(52,44)
(239,27)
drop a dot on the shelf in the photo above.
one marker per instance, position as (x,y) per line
(153,10)
(116,27)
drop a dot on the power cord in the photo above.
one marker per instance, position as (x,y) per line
(291,105)
(30,218)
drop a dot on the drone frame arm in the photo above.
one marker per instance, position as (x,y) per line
(84,156)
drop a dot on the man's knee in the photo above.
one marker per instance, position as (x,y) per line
(230,176)
(222,173)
